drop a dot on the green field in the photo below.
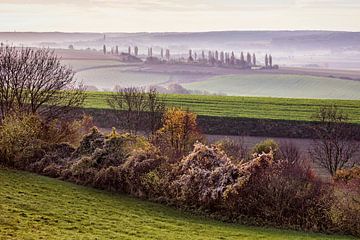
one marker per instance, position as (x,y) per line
(36,207)
(249,107)
(270,85)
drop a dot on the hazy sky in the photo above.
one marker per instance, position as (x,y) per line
(178,15)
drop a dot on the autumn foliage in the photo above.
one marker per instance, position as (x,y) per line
(178,134)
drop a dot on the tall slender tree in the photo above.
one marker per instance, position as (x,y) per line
(136,51)
(167,54)
(232,60)
(104,48)
(248,58)
(222,57)
(254,59)
(270,61)
(242,58)
(266,61)
(190,59)
(216,55)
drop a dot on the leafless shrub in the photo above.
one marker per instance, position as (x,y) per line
(236,150)
(137,109)
(334,146)
(290,152)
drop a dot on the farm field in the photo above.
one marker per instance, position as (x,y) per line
(286,86)
(109,78)
(246,107)
(107,73)
(36,207)
(82,65)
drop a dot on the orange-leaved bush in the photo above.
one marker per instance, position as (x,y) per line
(178,133)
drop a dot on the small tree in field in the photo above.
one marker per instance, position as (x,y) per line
(334,146)
(34,81)
(137,109)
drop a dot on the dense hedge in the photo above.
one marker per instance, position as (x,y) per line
(262,190)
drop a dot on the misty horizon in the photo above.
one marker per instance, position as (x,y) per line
(178,16)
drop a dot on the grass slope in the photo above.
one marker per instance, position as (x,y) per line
(36,207)
(267,85)
(249,107)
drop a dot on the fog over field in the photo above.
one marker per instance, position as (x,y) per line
(313,64)
(325,49)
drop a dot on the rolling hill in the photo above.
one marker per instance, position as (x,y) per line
(36,207)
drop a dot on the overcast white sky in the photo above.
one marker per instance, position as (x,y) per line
(178,15)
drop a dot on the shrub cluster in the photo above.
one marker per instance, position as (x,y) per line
(25,138)
(264,190)
(346,210)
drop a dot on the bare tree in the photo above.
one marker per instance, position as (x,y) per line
(156,108)
(334,146)
(35,81)
(290,152)
(137,109)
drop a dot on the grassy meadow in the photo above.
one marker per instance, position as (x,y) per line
(281,85)
(37,207)
(247,107)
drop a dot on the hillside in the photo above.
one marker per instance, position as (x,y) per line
(288,86)
(245,107)
(36,207)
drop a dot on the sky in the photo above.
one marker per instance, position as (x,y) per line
(178,15)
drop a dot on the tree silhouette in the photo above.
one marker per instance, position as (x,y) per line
(104,48)
(222,57)
(248,58)
(254,59)
(190,59)
(266,61)
(242,58)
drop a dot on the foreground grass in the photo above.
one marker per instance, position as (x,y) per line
(247,107)
(36,207)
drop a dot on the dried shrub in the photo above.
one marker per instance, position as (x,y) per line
(55,159)
(202,177)
(346,210)
(20,136)
(285,195)
(290,152)
(109,178)
(235,150)
(63,131)
(82,171)
(90,143)
(27,138)
(137,172)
